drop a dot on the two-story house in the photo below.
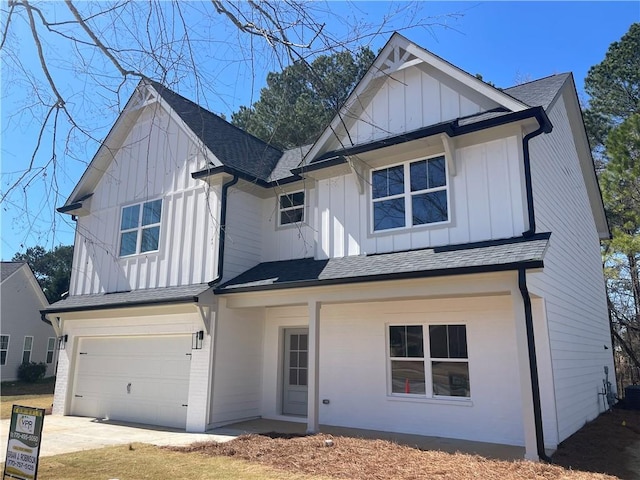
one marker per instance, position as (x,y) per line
(430,265)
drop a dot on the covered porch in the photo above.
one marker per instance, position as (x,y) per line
(349,376)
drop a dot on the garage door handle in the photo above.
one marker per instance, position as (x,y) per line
(78,396)
(185,404)
(128,388)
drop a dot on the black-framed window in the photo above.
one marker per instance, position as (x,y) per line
(410,194)
(433,359)
(291,208)
(140,228)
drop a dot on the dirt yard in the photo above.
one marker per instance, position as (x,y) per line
(604,449)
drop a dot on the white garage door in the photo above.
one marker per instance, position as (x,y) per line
(133,379)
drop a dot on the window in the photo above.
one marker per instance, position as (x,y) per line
(410,194)
(26,349)
(4,349)
(291,208)
(445,365)
(51,346)
(140,228)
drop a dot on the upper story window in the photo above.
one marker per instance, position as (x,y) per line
(410,194)
(291,208)
(140,228)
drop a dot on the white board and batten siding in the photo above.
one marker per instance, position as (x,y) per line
(572,282)
(486,201)
(237,365)
(408,100)
(294,241)
(154,162)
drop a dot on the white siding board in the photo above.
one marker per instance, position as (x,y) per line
(237,365)
(572,285)
(413,103)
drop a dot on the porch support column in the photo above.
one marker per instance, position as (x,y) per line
(313,422)
(524,373)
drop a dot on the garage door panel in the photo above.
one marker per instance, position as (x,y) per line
(135,379)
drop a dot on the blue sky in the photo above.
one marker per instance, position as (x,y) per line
(506,42)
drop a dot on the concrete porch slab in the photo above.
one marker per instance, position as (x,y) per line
(450,445)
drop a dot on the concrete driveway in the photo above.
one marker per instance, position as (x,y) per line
(72,434)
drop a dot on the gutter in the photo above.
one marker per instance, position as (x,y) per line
(533,364)
(223,227)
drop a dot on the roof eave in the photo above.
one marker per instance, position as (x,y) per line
(113,306)
(528,264)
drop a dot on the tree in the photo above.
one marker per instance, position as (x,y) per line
(76,63)
(613,125)
(613,86)
(620,182)
(299,102)
(51,268)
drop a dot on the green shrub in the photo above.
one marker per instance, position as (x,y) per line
(32,372)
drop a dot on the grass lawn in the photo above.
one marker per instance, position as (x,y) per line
(141,462)
(39,394)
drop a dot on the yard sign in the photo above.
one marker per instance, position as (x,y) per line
(23,448)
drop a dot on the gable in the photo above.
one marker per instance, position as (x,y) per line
(405,89)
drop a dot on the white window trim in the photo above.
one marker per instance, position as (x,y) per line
(280,210)
(24,344)
(407,194)
(428,396)
(139,228)
(6,349)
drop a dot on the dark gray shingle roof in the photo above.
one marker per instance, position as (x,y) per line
(290,160)
(231,145)
(8,268)
(497,255)
(538,93)
(134,297)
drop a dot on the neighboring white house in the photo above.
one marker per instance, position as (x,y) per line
(23,335)
(431,265)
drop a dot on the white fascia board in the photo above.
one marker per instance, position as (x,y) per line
(31,278)
(106,151)
(574,113)
(465,78)
(116,136)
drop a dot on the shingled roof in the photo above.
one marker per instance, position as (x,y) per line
(241,151)
(8,268)
(133,298)
(499,255)
(539,93)
(233,146)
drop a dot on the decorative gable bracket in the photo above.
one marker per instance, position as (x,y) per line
(359,170)
(143,96)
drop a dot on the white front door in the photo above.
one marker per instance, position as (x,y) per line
(296,356)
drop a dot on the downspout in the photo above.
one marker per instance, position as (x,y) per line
(533,364)
(545,127)
(223,228)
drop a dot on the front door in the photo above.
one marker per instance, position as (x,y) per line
(296,352)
